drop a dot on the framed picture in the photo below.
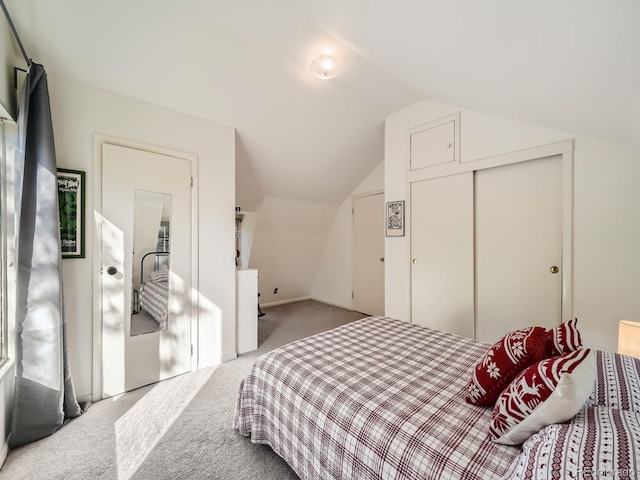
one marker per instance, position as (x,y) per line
(71,206)
(395,219)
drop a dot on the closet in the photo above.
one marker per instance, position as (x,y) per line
(487,248)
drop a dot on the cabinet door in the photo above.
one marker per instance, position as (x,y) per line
(442,254)
(518,210)
(433,146)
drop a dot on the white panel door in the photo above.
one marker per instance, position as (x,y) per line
(368,254)
(133,361)
(518,242)
(442,254)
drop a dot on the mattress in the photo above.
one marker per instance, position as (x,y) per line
(376,398)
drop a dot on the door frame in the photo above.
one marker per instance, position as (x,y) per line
(98,141)
(565,150)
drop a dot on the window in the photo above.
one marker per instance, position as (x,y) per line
(7,235)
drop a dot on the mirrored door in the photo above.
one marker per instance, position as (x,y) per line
(146,268)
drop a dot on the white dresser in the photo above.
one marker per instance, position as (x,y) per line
(246,310)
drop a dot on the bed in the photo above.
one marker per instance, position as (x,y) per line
(154,297)
(384,399)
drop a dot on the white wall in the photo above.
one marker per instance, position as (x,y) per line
(607,236)
(606,277)
(287,246)
(334,278)
(78,112)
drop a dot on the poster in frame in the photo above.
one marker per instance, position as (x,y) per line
(71,185)
(395,219)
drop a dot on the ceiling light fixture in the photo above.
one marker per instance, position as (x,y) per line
(325,67)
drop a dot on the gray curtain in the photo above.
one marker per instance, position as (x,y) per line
(44,394)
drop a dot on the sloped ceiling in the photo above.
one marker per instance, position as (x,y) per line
(572,65)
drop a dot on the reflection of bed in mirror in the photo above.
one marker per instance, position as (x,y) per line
(152,298)
(151,247)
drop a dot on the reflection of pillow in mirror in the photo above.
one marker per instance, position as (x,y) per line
(159,276)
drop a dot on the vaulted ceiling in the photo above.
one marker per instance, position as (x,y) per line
(572,65)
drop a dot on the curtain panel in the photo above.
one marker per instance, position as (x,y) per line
(44,394)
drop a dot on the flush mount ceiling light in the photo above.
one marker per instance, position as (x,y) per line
(325,67)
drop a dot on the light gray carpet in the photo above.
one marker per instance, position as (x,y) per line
(177,429)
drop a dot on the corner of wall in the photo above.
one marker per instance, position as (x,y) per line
(333,281)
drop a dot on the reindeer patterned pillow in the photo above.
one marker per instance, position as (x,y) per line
(503,362)
(565,338)
(551,391)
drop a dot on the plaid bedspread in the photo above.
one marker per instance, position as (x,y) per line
(374,399)
(154,299)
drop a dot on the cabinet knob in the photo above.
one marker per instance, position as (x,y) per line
(449,145)
(382,259)
(414,261)
(554,269)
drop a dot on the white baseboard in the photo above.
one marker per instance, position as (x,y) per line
(85,398)
(346,307)
(282,302)
(228,357)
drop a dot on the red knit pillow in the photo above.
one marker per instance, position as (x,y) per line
(564,338)
(503,362)
(551,391)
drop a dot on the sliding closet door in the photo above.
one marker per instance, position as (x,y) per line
(442,254)
(518,235)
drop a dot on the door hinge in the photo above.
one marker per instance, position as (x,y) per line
(192,350)
(352,295)
(192,181)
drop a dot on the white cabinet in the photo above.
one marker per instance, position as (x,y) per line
(435,143)
(246,309)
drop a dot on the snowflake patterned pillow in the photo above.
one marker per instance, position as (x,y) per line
(565,338)
(551,391)
(510,355)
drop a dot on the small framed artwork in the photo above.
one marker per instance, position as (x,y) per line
(395,219)
(71,205)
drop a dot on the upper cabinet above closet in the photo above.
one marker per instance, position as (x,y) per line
(435,143)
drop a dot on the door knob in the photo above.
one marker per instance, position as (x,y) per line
(112,270)
(554,269)
(382,259)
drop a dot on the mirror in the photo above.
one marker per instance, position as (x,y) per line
(150,276)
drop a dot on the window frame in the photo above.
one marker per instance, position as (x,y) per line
(8,138)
